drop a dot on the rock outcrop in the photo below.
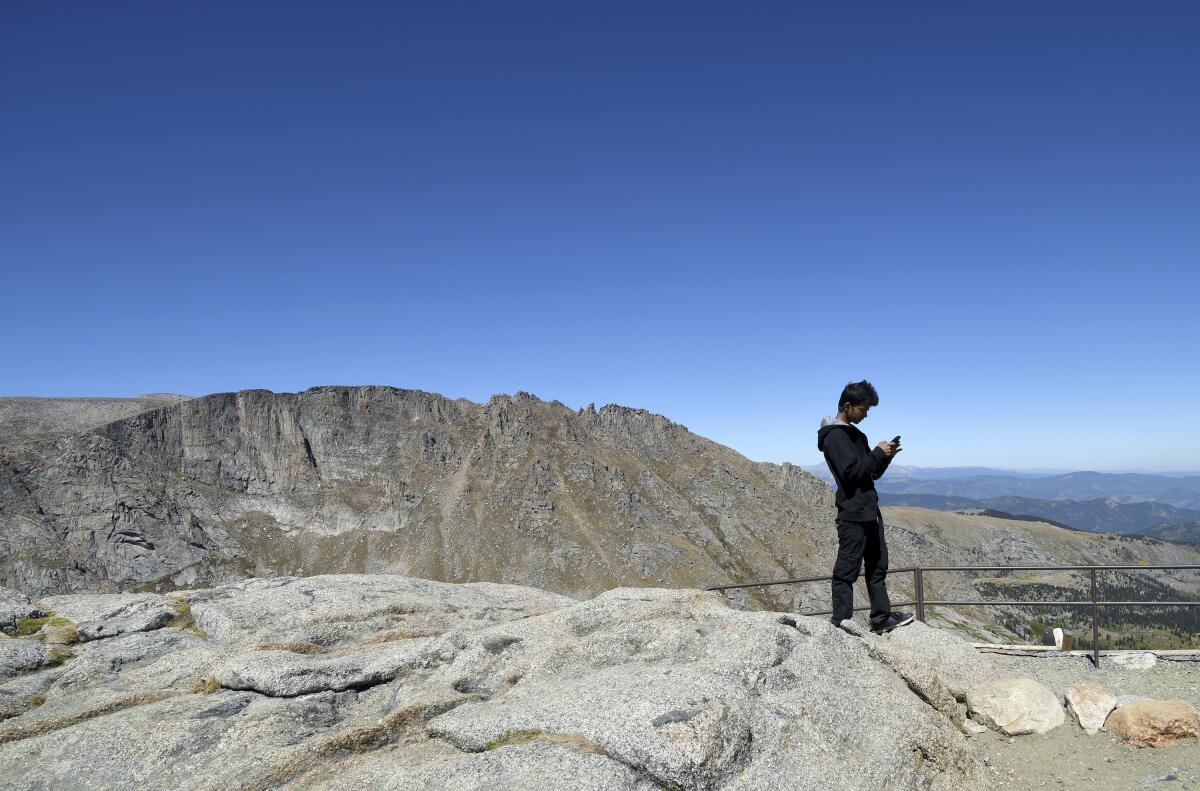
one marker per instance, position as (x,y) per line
(1154,723)
(1090,705)
(1015,706)
(1135,660)
(14,606)
(345,682)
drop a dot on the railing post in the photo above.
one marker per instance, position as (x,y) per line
(1095,620)
(919,590)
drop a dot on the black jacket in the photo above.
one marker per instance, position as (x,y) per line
(855,467)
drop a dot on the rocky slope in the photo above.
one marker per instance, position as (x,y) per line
(364,479)
(356,681)
(1187,532)
(938,538)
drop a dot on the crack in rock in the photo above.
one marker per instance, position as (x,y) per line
(675,716)
(16,731)
(390,729)
(286,674)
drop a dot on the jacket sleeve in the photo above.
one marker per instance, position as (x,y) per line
(887,460)
(851,465)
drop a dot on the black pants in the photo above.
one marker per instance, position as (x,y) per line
(858,542)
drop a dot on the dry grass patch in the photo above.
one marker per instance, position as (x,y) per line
(576,741)
(404,634)
(516,737)
(297,647)
(183,617)
(58,655)
(60,631)
(355,740)
(361,739)
(415,714)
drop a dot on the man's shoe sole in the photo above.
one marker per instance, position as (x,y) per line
(905,622)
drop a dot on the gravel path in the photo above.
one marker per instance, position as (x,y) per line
(1069,758)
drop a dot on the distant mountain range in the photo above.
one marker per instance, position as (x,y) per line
(1180,492)
(981,483)
(1100,502)
(1099,515)
(1183,531)
(906,473)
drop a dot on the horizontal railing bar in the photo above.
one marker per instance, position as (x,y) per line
(765,584)
(906,569)
(1035,603)
(860,609)
(1087,603)
(1060,568)
(1150,603)
(789,582)
(921,602)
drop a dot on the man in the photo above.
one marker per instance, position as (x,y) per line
(859,524)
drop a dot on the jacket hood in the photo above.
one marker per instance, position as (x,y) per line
(828,424)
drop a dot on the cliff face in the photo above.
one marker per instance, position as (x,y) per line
(375,479)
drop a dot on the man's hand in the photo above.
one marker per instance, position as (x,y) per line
(889,449)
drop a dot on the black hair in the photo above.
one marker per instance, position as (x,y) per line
(858,393)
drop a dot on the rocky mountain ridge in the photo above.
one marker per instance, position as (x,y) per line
(380,479)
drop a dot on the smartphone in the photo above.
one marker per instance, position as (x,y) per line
(896,441)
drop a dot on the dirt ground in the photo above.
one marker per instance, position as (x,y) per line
(1069,758)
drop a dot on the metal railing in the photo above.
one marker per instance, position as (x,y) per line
(920,602)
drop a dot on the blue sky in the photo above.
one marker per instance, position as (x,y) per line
(719,212)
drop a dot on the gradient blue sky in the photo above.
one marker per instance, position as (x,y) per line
(720,212)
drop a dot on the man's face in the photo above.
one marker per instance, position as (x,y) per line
(855,413)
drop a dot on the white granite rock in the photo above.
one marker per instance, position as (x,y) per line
(283,673)
(1141,660)
(1090,705)
(346,682)
(107,615)
(338,608)
(536,763)
(17,656)
(14,606)
(1015,706)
